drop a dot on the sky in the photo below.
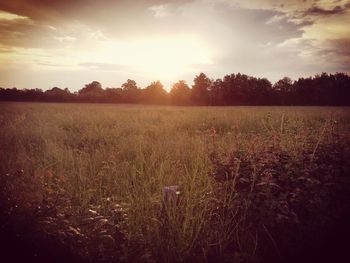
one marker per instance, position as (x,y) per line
(47,43)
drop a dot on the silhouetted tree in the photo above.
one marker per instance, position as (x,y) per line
(262,92)
(57,94)
(216,95)
(132,94)
(283,90)
(236,89)
(114,95)
(233,89)
(155,93)
(92,92)
(341,89)
(180,93)
(33,95)
(200,90)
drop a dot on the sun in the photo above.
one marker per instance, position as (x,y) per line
(161,57)
(171,57)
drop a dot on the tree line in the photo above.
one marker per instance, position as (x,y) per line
(233,89)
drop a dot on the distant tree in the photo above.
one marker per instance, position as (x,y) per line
(92,92)
(341,89)
(200,89)
(261,92)
(114,95)
(131,91)
(155,93)
(283,91)
(92,89)
(233,89)
(324,89)
(10,94)
(32,95)
(243,86)
(216,96)
(302,91)
(129,85)
(180,93)
(57,94)
(230,94)
(283,85)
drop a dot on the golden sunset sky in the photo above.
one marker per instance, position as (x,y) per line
(70,43)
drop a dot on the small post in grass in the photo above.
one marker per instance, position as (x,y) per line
(171,195)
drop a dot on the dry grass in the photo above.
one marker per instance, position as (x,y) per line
(92,176)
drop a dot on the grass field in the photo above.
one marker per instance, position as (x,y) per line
(256,183)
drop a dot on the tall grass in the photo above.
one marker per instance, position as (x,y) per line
(105,156)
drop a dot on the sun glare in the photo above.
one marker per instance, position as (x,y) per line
(172,57)
(156,57)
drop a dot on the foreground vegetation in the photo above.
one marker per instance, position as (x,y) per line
(256,183)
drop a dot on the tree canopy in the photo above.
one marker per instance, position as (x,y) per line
(232,89)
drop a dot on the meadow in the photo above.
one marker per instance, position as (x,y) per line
(256,184)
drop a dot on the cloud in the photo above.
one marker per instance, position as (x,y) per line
(337,53)
(159,10)
(25,32)
(318,11)
(118,20)
(47,10)
(269,38)
(105,66)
